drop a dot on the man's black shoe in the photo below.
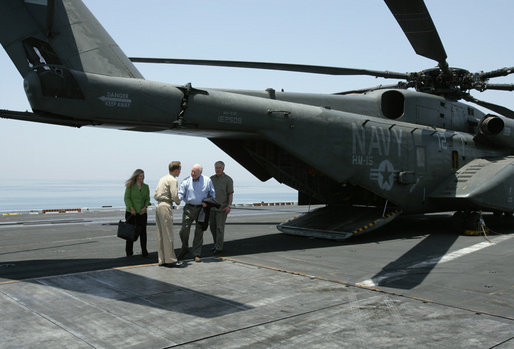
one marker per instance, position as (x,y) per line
(176,264)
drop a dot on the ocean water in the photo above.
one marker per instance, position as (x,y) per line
(67,194)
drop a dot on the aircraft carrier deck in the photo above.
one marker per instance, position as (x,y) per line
(65,282)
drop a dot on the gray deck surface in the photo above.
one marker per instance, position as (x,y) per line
(65,282)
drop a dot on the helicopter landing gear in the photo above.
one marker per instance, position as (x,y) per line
(502,215)
(469,223)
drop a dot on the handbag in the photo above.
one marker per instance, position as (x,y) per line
(127,231)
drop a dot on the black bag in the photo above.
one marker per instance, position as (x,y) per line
(205,212)
(127,231)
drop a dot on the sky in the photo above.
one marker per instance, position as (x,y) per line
(477,36)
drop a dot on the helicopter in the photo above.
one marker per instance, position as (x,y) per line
(369,155)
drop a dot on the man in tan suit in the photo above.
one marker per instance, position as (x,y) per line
(166,194)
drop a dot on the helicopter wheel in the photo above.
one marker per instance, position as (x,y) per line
(458,221)
(469,223)
(474,221)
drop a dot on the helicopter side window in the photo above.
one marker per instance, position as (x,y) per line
(393,104)
(39,52)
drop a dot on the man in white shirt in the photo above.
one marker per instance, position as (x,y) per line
(193,190)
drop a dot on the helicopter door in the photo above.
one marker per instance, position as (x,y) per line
(455,160)
(420,159)
(459,115)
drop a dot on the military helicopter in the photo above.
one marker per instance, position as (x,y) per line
(369,155)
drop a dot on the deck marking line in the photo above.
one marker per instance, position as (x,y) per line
(435,260)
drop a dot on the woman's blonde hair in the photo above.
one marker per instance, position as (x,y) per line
(132,180)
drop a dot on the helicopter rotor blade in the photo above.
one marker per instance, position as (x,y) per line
(314,69)
(491,106)
(415,21)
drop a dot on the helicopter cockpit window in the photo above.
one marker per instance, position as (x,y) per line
(393,104)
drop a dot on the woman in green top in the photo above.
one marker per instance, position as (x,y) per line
(137,199)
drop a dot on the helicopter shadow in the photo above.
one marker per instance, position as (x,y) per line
(434,232)
(411,269)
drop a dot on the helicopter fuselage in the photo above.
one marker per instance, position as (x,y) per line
(398,145)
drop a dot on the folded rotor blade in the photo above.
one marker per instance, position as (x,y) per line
(50,14)
(315,69)
(45,118)
(497,73)
(416,23)
(369,89)
(491,106)
(502,87)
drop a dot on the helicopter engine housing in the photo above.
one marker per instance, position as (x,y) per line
(496,130)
